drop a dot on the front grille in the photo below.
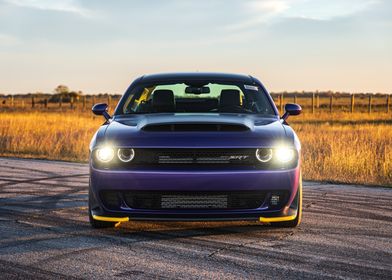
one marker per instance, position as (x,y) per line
(195,157)
(156,200)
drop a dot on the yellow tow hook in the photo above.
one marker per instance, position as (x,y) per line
(118,220)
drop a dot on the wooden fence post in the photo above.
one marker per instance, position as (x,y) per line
(388,102)
(72,102)
(330,103)
(317,101)
(281,103)
(12,101)
(352,103)
(32,102)
(312,103)
(370,104)
(295,99)
(46,103)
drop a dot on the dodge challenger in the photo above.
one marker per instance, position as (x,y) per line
(195,147)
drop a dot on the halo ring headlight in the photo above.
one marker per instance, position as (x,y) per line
(105,154)
(264,155)
(126,155)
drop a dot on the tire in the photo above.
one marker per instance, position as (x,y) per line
(94,223)
(296,222)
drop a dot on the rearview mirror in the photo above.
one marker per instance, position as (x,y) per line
(101,109)
(197,90)
(291,109)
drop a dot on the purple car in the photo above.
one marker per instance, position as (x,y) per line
(195,147)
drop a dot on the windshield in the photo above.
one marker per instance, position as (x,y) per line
(195,98)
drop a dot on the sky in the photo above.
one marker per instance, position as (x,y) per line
(101,46)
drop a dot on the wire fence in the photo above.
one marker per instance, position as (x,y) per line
(311,103)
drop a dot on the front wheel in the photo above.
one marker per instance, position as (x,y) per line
(297,220)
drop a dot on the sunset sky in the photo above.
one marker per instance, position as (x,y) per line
(101,46)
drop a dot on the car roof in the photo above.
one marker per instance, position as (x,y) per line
(223,77)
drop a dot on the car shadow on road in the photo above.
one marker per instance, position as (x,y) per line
(178,230)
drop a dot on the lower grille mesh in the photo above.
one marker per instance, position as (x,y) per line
(193,201)
(183,200)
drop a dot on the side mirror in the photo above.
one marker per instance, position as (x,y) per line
(101,109)
(291,109)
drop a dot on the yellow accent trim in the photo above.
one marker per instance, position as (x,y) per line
(119,220)
(277,219)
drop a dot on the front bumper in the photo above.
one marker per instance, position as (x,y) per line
(286,214)
(185,181)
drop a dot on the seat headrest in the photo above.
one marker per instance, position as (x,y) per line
(230,98)
(163,101)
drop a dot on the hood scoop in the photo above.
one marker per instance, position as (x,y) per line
(189,127)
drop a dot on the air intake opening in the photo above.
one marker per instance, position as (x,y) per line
(195,127)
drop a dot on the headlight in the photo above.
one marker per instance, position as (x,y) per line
(105,154)
(264,155)
(284,154)
(126,155)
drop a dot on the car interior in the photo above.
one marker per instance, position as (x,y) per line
(163,100)
(195,100)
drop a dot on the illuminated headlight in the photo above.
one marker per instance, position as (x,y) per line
(105,154)
(264,155)
(126,155)
(284,154)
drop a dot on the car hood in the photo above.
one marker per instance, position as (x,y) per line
(256,131)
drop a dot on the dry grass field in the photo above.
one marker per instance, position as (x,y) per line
(348,148)
(338,147)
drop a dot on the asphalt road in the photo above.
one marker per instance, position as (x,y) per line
(45,234)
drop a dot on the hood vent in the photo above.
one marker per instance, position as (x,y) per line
(195,127)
